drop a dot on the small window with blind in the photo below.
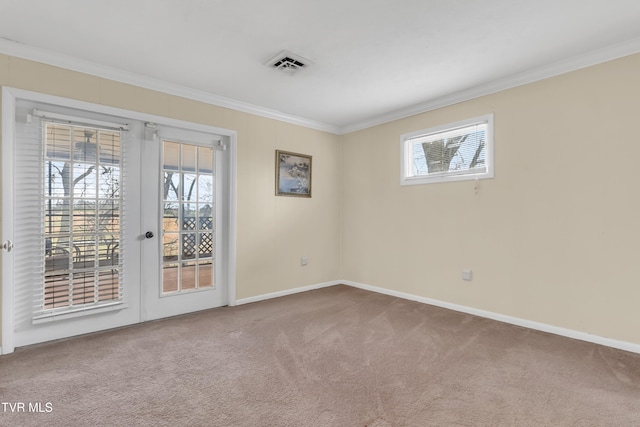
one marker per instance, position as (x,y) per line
(453,152)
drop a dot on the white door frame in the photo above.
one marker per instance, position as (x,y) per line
(156,304)
(9,98)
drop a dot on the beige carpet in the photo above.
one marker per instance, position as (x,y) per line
(333,357)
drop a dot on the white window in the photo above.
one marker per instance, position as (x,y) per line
(452,152)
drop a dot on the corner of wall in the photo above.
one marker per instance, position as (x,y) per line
(341,141)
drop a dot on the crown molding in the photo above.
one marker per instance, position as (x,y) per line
(567,65)
(588,59)
(20,50)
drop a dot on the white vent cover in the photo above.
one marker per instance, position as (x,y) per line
(287,61)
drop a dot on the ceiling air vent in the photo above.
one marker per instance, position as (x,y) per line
(288,62)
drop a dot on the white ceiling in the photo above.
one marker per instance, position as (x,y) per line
(373,60)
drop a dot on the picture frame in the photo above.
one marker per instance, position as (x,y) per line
(293,174)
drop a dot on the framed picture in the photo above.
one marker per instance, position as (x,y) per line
(293,174)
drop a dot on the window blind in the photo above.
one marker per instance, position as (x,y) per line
(69,185)
(28,231)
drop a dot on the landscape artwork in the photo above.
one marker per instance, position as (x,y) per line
(293,174)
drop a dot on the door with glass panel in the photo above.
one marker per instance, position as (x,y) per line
(113,224)
(182,261)
(71,214)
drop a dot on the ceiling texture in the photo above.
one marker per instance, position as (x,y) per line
(367,61)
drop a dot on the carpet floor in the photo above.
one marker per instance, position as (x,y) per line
(338,356)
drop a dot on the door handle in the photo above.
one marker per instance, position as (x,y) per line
(7,246)
(148,234)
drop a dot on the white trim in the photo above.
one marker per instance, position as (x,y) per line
(81,120)
(543,327)
(588,59)
(114,111)
(8,114)
(233,214)
(288,292)
(569,333)
(71,313)
(406,153)
(32,53)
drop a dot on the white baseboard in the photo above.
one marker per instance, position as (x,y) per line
(569,333)
(287,292)
(583,336)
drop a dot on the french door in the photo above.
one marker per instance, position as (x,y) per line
(186,215)
(116,221)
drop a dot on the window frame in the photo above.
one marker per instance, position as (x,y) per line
(406,154)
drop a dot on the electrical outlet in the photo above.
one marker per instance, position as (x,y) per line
(467,275)
(304,261)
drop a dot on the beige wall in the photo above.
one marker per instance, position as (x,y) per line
(272,232)
(553,238)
